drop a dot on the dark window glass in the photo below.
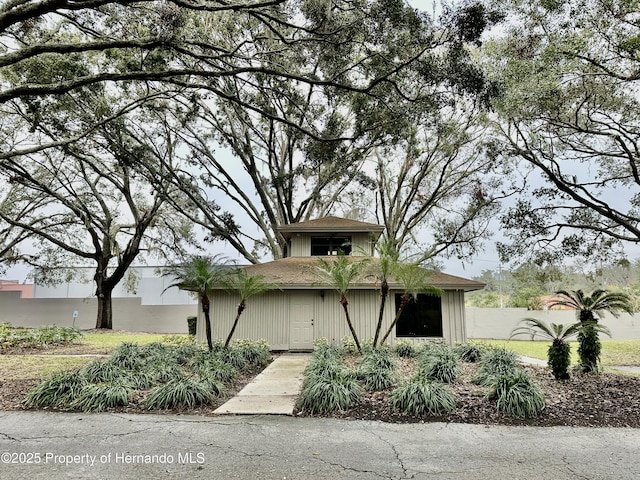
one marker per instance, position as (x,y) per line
(421,317)
(321,246)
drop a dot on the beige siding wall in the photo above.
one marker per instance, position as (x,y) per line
(268,317)
(301,245)
(361,242)
(265,317)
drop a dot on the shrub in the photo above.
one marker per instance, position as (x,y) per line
(517,395)
(495,363)
(98,397)
(164,371)
(323,367)
(322,346)
(349,346)
(128,355)
(56,391)
(377,370)
(405,349)
(179,393)
(102,371)
(212,367)
(255,353)
(329,394)
(440,365)
(36,337)
(470,353)
(234,357)
(421,396)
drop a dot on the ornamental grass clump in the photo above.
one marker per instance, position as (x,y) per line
(56,391)
(405,349)
(470,353)
(496,363)
(517,395)
(98,397)
(376,371)
(179,393)
(440,364)
(128,355)
(422,396)
(329,394)
(100,371)
(255,353)
(212,368)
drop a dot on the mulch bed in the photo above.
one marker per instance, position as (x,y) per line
(605,400)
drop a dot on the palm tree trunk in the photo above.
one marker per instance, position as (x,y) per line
(345,304)
(207,320)
(235,324)
(384,292)
(403,303)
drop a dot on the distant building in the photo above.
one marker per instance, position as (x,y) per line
(147,283)
(25,289)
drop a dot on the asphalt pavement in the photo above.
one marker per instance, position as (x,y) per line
(37,445)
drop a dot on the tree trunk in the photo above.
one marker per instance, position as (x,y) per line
(105,308)
(345,304)
(204,299)
(235,324)
(384,292)
(403,303)
(104,291)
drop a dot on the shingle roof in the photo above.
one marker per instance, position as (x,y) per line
(300,273)
(331,224)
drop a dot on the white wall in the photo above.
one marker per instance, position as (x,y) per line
(499,322)
(128,313)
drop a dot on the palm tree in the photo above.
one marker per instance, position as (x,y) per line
(414,280)
(339,273)
(590,308)
(200,274)
(559,352)
(387,263)
(246,286)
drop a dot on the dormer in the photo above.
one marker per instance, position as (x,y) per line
(331,236)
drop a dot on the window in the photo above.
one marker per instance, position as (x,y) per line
(421,317)
(321,246)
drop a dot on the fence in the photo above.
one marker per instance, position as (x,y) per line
(128,313)
(498,322)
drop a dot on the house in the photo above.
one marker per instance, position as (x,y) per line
(303,310)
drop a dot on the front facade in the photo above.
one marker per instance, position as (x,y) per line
(304,310)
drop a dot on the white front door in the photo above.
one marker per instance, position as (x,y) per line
(301,315)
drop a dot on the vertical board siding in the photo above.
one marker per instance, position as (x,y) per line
(300,245)
(361,242)
(268,317)
(265,317)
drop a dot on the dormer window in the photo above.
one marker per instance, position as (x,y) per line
(334,245)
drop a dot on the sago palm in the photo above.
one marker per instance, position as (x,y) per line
(590,308)
(559,352)
(246,286)
(200,275)
(339,274)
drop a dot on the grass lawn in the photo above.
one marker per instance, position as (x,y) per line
(26,367)
(614,352)
(40,363)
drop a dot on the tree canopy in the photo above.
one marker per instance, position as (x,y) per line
(570,113)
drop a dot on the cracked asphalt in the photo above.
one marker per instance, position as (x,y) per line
(38,445)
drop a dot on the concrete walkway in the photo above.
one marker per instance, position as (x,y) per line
(272,392)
